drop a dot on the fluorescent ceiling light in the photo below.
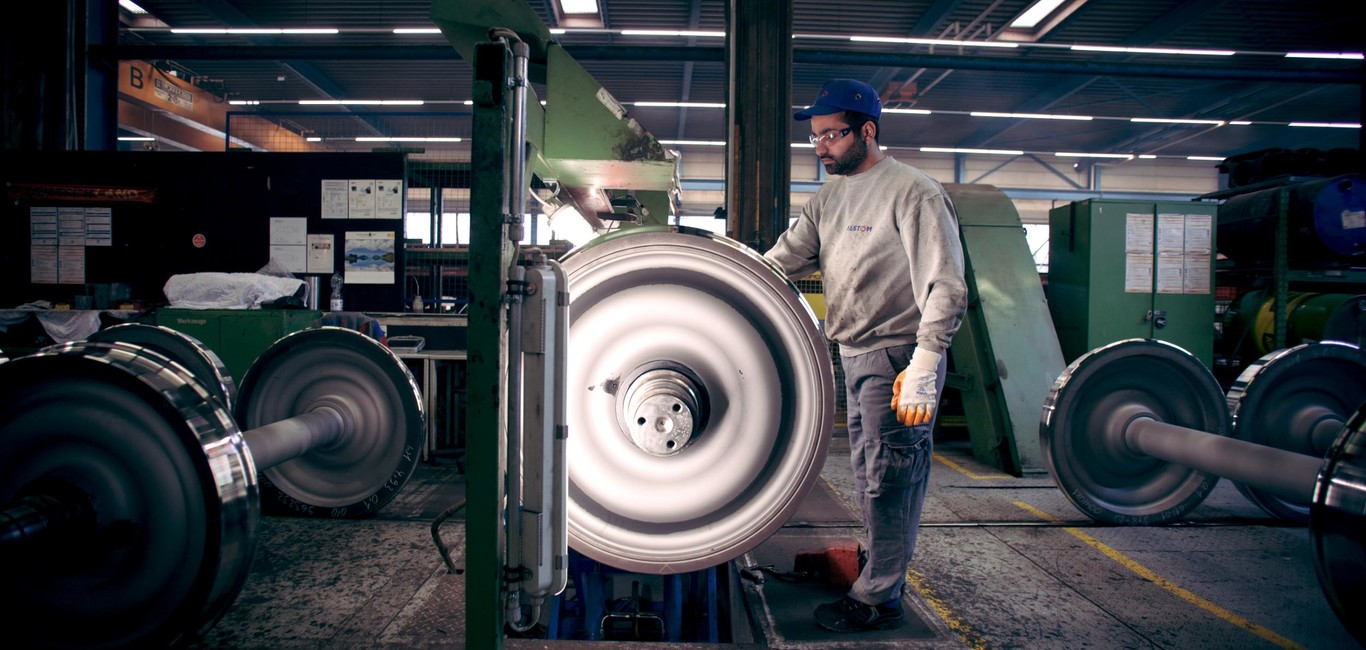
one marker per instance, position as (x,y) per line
(907,111)
(136,138)
(1077,154)
(1147,156)
(1240,123)
(406,139)
(931,41)
(313,139)
(132,7)
(993,152)
(417,30)
(1036,13)
(1163,120)
(679,104)
(700,143)
(667,32)
(245,102)
(360,102)
(1324,55)
(1328,125)
(1150,50)
(1209,158)
(1033,116)
(579,6)
(252,31)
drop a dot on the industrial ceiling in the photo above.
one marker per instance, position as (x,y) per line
(1221,65)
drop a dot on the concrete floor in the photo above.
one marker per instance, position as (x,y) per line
(1002,562)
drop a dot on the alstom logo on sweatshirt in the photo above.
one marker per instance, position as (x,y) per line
(858,228)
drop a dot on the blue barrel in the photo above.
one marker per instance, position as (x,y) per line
(1327,223)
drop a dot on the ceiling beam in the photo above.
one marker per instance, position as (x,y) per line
(1164,26)
(227,13)
(929,25)
(934,16)
(1343,75)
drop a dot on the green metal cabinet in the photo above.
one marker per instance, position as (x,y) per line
(1127,269)
(237,336)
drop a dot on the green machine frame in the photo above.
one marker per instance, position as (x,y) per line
(588,153)
(1005,355)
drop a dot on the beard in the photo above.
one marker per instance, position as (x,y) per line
(845,165)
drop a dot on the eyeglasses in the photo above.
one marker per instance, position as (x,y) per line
(829,136)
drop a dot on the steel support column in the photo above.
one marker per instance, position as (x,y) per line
(486,417)
(41,75)
(99,93)
(758,119)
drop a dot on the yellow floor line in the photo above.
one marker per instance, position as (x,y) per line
(849,504)
(968,473)
(961,627)
(971,638)
(1183,594)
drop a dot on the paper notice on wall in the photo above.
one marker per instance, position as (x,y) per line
(335,199)
(1171,253)
(42,227)
(1171,273)
(389,199)
(293,258)
(1199,253)
(362,199)
(99,226)
(71,226)
(1197,274)
(1171,234)
(1199,234)
(1138,273)
(369,257)
(288,231)
(71,264)
(289,243)
(1138,233)
(320,254)
(42,263)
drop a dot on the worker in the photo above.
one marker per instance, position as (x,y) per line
(884,236)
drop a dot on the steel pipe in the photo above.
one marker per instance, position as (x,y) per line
(1285,473)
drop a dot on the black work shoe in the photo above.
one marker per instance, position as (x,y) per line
(849,615)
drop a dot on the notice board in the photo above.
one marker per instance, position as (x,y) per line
(75,219)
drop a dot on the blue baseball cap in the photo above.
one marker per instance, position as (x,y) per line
(839,95)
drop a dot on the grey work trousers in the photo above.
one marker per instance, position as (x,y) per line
(891,464)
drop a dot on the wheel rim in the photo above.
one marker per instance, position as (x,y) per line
(203,364)
(1296,399)
(354,373)
(163,460)
(1083,419)
(709,332)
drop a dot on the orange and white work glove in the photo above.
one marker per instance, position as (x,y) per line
(914,397)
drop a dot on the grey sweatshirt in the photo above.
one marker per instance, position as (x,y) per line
(886,243)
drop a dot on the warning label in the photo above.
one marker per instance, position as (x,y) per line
(172,94)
